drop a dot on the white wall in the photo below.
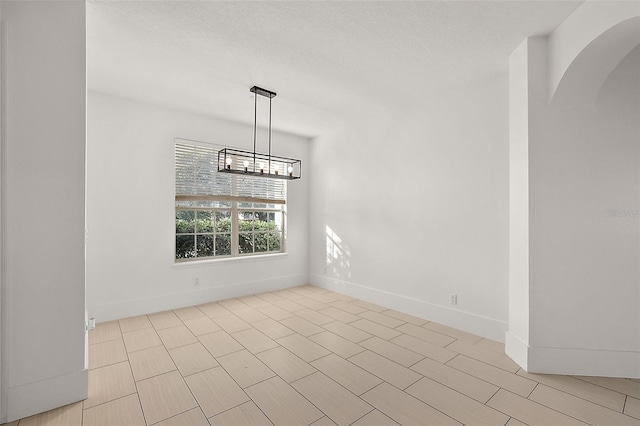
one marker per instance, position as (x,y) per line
(131,213)
(585,230)
(409,207)
(43,325)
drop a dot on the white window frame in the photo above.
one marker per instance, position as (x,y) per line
(235,209)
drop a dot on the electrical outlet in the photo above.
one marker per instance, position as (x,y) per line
(196,281)
(91,324)
(453,299)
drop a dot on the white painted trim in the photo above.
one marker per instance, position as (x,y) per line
(516,349)
(584,362)
(134,307)
(3,168)
(467,321)
(45,395)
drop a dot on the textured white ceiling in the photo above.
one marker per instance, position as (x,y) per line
(330,62)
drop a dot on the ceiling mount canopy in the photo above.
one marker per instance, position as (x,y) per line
(249,163)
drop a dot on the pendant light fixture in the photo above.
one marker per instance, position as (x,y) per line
(248,163)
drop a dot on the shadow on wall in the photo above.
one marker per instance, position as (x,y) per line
(338,256)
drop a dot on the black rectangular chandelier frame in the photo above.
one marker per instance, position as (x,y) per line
(249,163)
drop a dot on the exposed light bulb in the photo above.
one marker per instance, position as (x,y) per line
(245,163)
(290,169)
(229,160)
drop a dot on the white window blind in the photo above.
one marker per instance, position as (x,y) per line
(197,177)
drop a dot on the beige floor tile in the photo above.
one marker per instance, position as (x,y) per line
(580,388)
(254,341)
(254,302)
(275,312)
(288,294)
(303,347)
(376,329)
(311,304)
(301,326)
(215,391)
(242,415)
(347,331)
(347,374)
(339,315)
(529,412)
(313,316)
(348,307)
(188,313)
(250,315)
(141,339)
(467,384)
(232,323)
(150,362)
(245,368)
(105,331)
(396,353)
(576,407)
(214,310)
(233,304)
(109,383)
(426,334)
(632,407)
(323,421)
(123,411)
(456,405)
(489,344)
(285,364)
(269,297)
(13,423)
(336,344)
(340,296)
(220,343)
(335,401)
(202,325)
(454,332)
(192,359)
(515,422)
(322,298)
(496,359)
(272,328)
(625,386)
(389,371)
(424,348)
(69,415)
(282,404)
(164,396)
(381,319)
(404,317)
(193,417)
(288,305)
(368,306)
(404,408)
(512,382)
(375,418)
(106,353)
(164,320)
(134,323)
(175,337)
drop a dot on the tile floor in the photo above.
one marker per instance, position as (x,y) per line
(307,356)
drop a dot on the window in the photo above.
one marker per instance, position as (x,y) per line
(220,215)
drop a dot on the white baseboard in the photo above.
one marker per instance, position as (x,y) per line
(466,321)
(163,302)
(516,349)
(573,361)
(584,362)
(45,395)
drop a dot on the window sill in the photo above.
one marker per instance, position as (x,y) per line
(239,259)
